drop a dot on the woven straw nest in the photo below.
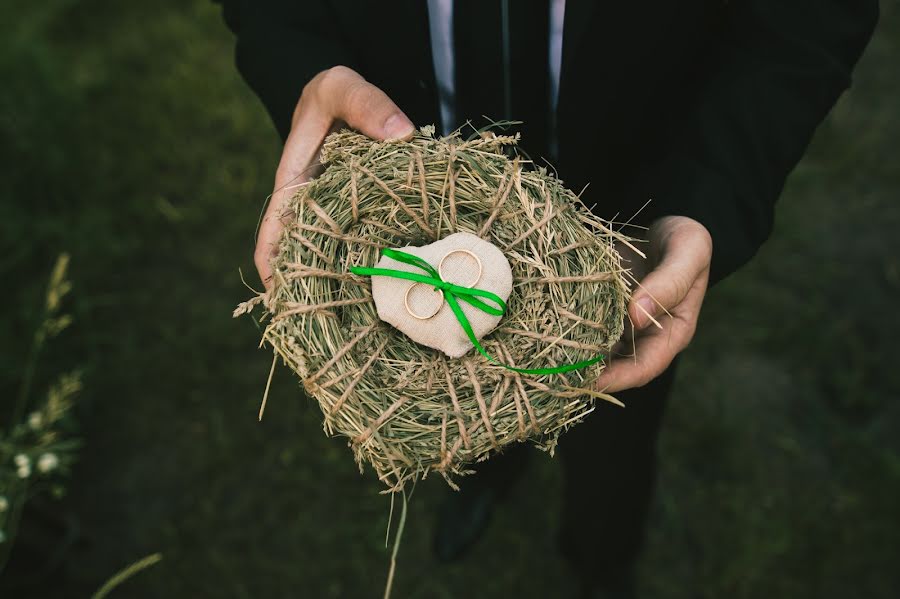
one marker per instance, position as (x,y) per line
(407,409)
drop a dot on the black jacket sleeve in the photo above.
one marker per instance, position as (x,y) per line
(281,45)
(783,66)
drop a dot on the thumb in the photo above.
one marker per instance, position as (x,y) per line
(684,258)
(661,290)
(364,107)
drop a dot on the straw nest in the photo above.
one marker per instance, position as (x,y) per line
(407,409)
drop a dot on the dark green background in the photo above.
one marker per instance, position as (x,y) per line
(129,140)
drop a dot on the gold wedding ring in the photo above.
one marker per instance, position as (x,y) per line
(461,284)
(437,304)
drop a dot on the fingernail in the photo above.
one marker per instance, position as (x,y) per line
(397,126)
(649,307)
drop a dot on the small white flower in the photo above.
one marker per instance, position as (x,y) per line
(47,462)
(24,471)
(21,460)
(4,504)
(35,420)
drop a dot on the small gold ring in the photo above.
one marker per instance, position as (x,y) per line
(474,256)
(410,310)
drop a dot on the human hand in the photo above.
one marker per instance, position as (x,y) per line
(333,98)
(665,306)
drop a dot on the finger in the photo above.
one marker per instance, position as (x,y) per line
(267,239)
(298,165)
(363,106)
(340,94)
(652,355)
(685,261)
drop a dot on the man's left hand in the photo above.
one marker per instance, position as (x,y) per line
(665,306)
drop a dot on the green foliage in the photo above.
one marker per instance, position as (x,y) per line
(36,449)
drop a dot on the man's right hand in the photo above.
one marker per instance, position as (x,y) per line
(333,98)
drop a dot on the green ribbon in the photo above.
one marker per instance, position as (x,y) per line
(452,294)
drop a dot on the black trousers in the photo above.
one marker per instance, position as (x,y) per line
(609,463)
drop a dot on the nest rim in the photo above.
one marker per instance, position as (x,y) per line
(406,408)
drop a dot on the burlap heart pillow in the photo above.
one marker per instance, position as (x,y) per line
(420,312)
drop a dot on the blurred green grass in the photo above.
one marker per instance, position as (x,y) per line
(129,140)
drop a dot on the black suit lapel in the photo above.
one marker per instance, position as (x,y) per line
(577,17)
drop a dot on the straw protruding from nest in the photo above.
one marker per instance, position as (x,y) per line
(408,409)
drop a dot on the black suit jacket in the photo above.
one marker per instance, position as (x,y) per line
(704,106)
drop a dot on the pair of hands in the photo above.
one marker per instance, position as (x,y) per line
(673,277)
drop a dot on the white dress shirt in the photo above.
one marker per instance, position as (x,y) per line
(440,23)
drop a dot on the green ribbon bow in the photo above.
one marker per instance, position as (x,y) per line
(453,293)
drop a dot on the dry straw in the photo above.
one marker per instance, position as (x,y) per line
(408,409)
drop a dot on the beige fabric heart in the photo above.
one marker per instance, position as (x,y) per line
(421,313)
